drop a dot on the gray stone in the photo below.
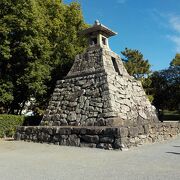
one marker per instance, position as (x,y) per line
(83,131)
(142,136)
(72,104)
(124,132)
(56,138)
(64,131)
(104,146)
(106,139)
(117,143)
(56,123)
(146,129)
(72,116)
(98,91)
(63,140)
(100,122)
(114,132)
(73,140)
(90,138)
(133,131)
(94,131)
(63,122)
(90,145)
(73,123)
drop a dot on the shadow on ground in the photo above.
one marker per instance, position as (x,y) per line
(173,153)
(176,146)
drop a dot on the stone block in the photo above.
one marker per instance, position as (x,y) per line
(72,104)
(140,129)
(73,123)
(56,123)
(125,142)
(63,131)
(117,143)
(133,131)
(56,138)
(50,130)
(146,129)
(112,132)
(90,138)
(90,121)
(100,122)
(75,130)
(142,136)
(72,116)
(109,122)
(63,140)
(104,146)
(124,131)
(94,131)
(106,139)
(83,131)
(73,140)
(114,121)
(89,145)
(63,122)
(109,114)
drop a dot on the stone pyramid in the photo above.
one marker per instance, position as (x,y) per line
(98,91)
(98,104)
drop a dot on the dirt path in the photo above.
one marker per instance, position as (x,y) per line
(31,161)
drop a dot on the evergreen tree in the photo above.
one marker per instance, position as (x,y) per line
(135,63)
(139,68)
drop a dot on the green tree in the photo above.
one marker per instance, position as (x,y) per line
(166,88)
(176,60)
(6,95)
(135,63)
(138,67)
(38,42)
(64,24)
(25,50)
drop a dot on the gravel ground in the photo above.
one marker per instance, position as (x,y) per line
(31,161)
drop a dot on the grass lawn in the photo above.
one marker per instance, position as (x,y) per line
(171,115)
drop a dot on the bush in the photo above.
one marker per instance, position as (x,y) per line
(8,124)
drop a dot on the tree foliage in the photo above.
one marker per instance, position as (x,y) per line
(138,67)
(135,63)
(176,60)
(166,88)
(64,24)
(37,40)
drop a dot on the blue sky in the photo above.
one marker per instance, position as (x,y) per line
(150,26)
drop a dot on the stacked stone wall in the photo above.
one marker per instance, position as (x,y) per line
(80,101)
(149,133)
(98,104)
(87,63)
(129,101)
(127,96)
(100,137)
(96,93)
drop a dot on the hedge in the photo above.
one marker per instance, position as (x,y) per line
(8,124)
